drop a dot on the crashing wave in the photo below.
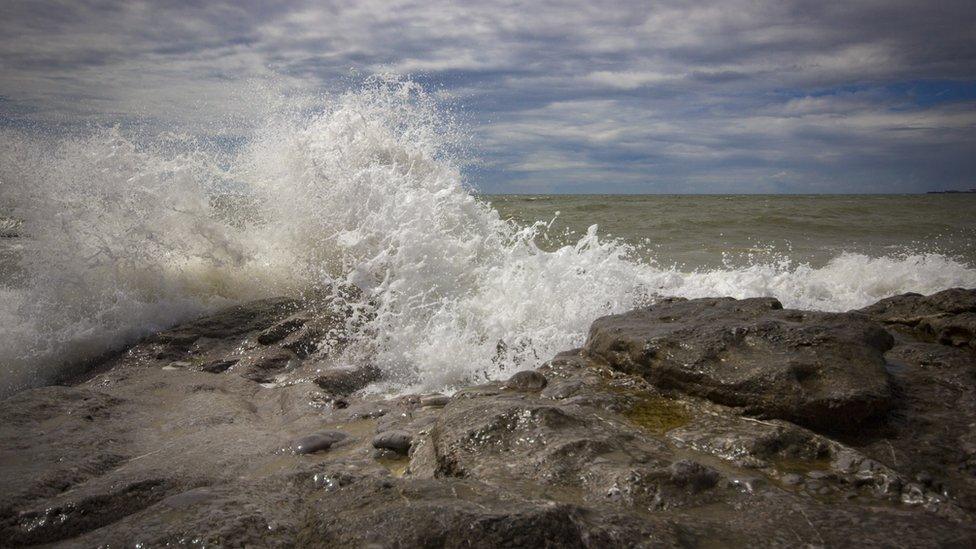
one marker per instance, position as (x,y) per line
(128,236)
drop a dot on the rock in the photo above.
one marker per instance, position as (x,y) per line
(460,513)
(218,366)
(599,457)
(317,442)
(397,441)
(279,330)
(435,401)
(309,331)
(791,479)
(561,445)
(823,370)
(303,342)
(345,381)
(256,315)
(264,364)
(947,317)
(934,416)
(693,475)
(957,330)
(910,309)
(526,380)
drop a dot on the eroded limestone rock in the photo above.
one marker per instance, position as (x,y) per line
(824,370)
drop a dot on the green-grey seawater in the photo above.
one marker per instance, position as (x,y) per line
(707,231)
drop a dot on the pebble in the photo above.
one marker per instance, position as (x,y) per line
(398,441)
(436,401)
(316,442)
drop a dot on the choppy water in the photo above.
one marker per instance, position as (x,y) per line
(695,232)
(124,235)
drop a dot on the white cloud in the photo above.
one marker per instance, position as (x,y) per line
(735,86)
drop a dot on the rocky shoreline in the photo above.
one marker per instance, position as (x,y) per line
(708,422)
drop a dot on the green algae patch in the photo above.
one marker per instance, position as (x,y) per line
(800,466)
(396,466)
(657,414)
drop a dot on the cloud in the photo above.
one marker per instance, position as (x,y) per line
(692,96)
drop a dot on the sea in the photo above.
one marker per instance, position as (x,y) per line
(106,237)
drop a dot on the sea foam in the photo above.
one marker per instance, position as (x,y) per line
(125,236)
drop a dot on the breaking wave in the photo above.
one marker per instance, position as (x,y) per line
(123,236)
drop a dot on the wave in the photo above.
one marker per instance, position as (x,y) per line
(127,236)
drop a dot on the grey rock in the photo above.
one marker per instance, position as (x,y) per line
(397,441)
(598,458)
(958,330)
(693,475)
(218,366)
(791,479)
(435,401)
(823,370)
(317,442)
(264,364)
(256,315)
(526,380)
(345,381)
(280,330)
(910,309)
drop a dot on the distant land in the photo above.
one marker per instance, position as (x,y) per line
(952,192)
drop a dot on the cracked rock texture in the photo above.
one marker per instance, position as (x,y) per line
(708,422)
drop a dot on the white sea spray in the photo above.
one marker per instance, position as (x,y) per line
(126,236)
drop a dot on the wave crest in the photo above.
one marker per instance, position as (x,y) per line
(124,237)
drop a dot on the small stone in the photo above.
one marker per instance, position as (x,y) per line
(435,401)
(398,441)
(316,442)
(526,380)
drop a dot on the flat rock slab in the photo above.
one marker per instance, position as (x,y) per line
(168,442)
(911,308)
(822,370)
(947,317)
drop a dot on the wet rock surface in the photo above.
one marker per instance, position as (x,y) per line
(317,442)
(690,423)
(947,317)
(824,370)
(397,441)
(526,380)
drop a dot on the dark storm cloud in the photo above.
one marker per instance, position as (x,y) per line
(702,96)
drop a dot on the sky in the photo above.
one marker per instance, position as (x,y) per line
(697,96)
